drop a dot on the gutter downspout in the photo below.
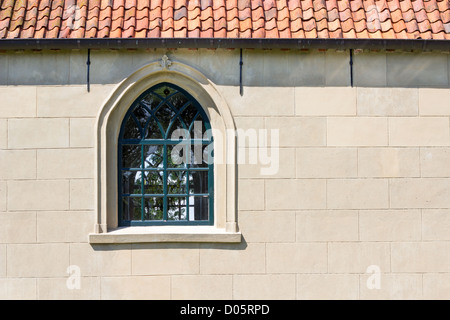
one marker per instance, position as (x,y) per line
(241,63)
(351,68)
(88,76)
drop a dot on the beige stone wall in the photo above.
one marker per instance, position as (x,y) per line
(363,179)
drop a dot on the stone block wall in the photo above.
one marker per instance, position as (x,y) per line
(363,179)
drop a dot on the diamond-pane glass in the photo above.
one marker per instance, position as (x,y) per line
(165,168)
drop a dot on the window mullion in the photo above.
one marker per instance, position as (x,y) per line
(187,190)
(211,192)
(142,184)
(165,204)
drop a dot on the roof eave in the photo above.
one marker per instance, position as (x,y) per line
(146,43)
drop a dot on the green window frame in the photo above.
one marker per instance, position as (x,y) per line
(165,160)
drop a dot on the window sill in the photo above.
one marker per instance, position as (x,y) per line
(165,234)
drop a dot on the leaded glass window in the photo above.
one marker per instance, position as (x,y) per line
(165,160)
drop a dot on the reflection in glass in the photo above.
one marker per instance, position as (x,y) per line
(178,130)
(198,182)
(131,182)
(131,208)
(131,156)
(178,100)
(131,129)
(198,208)
(177,156)
(164,91)
(189,113)
(164,116)
(197,128)
(176,208)
(151,101)
(153,208)
(160,179)
(197,157)
(176,182)
(153,156)
(153,182)
(142,115)
(153,131)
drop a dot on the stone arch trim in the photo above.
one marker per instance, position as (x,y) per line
(108,126)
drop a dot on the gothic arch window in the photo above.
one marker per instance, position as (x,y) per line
(144,192)
(165,161)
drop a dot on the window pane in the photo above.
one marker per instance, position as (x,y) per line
(178,100)
(198,182)
(153,131)
(142,115)
(178,131)
(176,182)
(153,156)
(198,130)
(131,156)
(164,115)
(176,156)
(189,114)
(153,208)
(151,101)
(199,156)
(164,91)
(131,182)
(153,182)
(176,208)
(131,129)
(198,208)
(131,208)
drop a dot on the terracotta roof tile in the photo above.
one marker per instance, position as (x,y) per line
(349,35)
(359,15)
(307,8)
(355,5)
(347,26)
(396,16)
(296,26)
(388,19)
(335,34)
(309,25)
(311,34)
(394,7)
(334,25)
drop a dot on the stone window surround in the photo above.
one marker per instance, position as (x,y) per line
(107,130)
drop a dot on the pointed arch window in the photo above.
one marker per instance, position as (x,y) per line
(165,168)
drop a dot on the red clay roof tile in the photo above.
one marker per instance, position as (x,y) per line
(345,15)
(334,25)
(359,15)
(349,35)
(296,25)
(388,19)
(335,34)
(347,26)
